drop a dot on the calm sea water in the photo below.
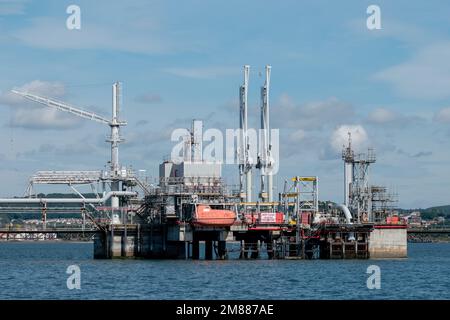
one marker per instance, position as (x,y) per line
(36,270)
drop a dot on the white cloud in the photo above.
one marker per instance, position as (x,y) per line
(30,115)
(43,88)
(42,119)
(405,32)
(148,98)
(297,135)
(422,154)
(418,154)
(136,27)
(312,115)
(52,34)
(382,115)
(442,115)
(70,149)
(54,89)
(204,72)
(426,75)
(339,138)
(231,106)
(12,7)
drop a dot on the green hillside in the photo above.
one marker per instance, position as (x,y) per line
(440,211)
(432,212)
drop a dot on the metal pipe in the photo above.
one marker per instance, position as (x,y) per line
(245,163)
(347,214)
(115,140)
(270,187)
(115,135)
(348,217)
(348,157)
(265,160)
(69,200)
(348,180)
(248,164)
(248,183)
(115,102)
(268,140)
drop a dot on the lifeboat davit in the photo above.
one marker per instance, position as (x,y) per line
(206,216)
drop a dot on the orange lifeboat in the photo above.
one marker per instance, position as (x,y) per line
(206,216)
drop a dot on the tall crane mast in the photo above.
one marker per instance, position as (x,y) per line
(265,159)
(245,160)
(348,156)
(115,123)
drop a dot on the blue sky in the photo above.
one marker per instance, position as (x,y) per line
(180,60)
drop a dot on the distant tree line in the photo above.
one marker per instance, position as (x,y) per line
(431,213)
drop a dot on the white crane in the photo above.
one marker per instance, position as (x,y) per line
(245,160)
(114,124)
(265,160)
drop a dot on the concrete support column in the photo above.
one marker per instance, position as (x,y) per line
(244,250)
(255,250)
(208,250)
(101,246)
(195,250)
(269,249)
(186,250)
(124,242)
(303,249)
(222,250)
(241,254)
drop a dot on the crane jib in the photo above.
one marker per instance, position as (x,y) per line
(64,107)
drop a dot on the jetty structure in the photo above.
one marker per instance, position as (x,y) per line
(191,213)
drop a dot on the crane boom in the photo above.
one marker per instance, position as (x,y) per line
(114,139)
(62,106)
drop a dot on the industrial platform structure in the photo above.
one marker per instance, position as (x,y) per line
(192,213)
